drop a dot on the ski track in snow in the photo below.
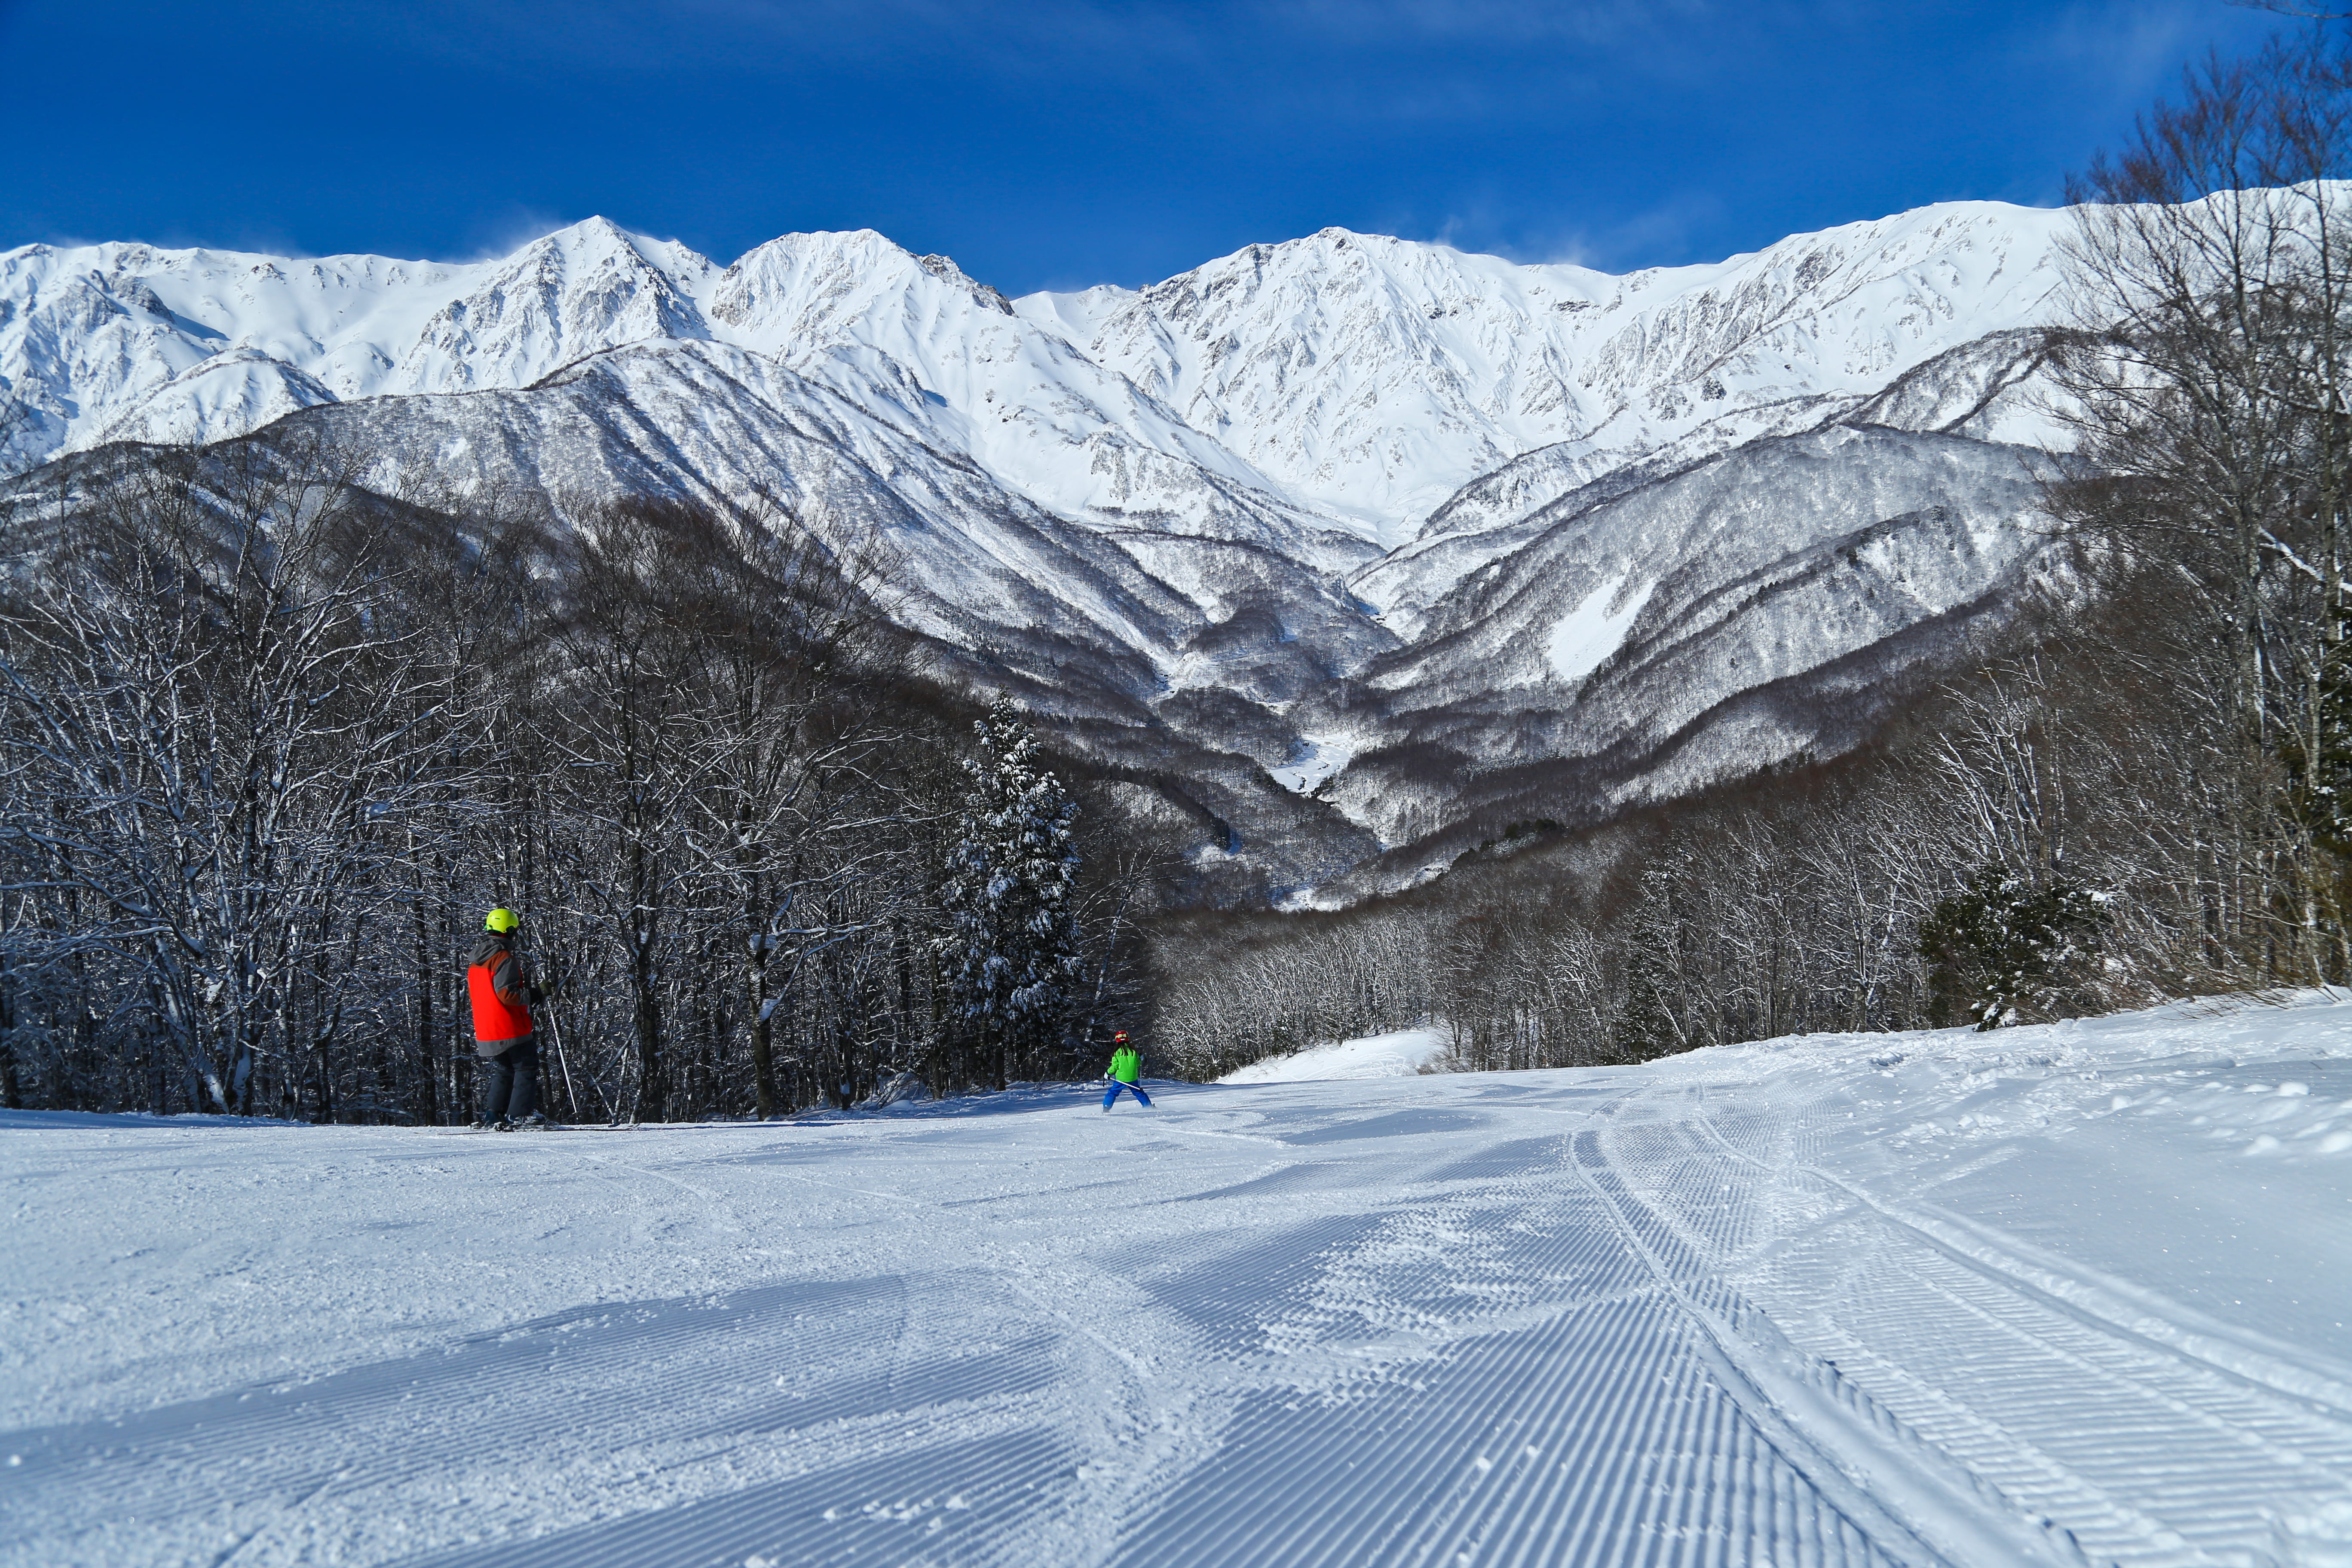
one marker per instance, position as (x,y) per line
(2061,1295)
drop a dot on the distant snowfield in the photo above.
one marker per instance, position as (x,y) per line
(2045,1296)
(1399,1054)
(1318,761)
(1590,633)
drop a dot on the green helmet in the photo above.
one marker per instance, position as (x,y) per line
(502,920)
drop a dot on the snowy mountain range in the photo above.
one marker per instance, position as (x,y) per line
(1325,545)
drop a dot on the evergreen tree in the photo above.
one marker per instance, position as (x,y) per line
(1012,943)
(2320,793)
(2004,946)
(1648,1026)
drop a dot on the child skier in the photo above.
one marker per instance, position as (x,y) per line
(1126,1072)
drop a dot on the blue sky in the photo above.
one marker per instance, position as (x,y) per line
(1062,142)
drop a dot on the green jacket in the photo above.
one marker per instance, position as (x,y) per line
(1126,1064)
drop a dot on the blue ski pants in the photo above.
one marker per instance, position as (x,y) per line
(1134,1089)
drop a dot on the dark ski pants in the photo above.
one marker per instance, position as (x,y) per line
(1134,1089)
(514,1082)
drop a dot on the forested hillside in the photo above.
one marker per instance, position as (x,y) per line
(275,741)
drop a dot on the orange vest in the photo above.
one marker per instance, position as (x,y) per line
(494,1019)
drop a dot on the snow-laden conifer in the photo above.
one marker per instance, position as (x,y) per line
(1013,944)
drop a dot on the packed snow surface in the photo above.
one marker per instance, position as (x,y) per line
(1397,1055)
(2070,1294)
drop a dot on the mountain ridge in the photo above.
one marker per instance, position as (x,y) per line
(1256,507)
(429,327)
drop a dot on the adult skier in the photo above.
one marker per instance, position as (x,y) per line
(499,983)
(1126,1072)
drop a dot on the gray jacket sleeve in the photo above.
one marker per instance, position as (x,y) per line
(510,978)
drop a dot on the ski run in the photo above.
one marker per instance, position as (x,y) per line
(2066,1294)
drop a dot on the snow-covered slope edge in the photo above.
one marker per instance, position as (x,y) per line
(1397,1054)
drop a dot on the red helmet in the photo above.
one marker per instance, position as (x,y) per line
(1119,1039)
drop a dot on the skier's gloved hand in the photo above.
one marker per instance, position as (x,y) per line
(537,996)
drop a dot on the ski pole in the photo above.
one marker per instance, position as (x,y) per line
(564,1062)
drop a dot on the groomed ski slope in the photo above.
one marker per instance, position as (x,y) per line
(1397,1055)
(2062,1295)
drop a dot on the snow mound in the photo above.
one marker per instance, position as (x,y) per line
(1400,1055)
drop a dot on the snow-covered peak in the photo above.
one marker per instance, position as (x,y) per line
(799,294)
(1374,377)
(1841,311)
(1338,381)
(98,339)
(571,293)
(1371,375)
(1186,498)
